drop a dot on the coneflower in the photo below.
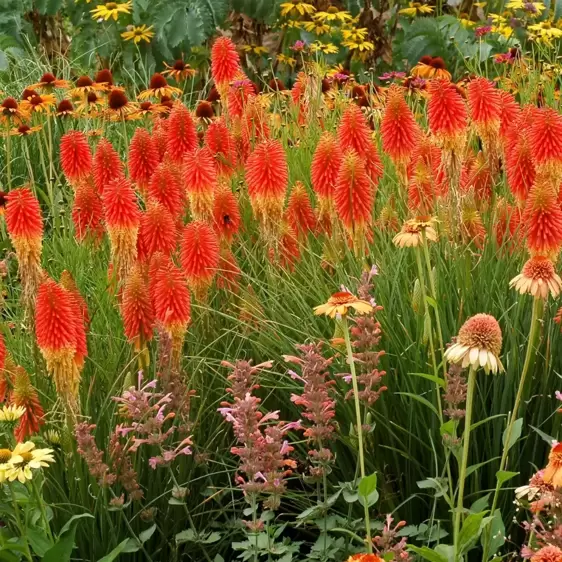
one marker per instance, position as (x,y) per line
(354,132)
(226,214)
(354,198)
(137,312)
(107,165)
(199,257)
(266,176)
(25,228)
(75,157)
(81,317)
(122,219)
(25,396)
(172,305)
(181,133)
(545,141)
(222,146)
(228,271)
(225,62)
(143,158)
(55,332)
(538,278)
(299,213)
(157,231)
(542,219)
(165,187)
(204,111)
(399,130)
(324,174)
(87,213)
(200,181)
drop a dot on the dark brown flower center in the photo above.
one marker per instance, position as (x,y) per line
(5,455)
(204,109)
(111,6)
(92,98)
(179,65)
(83,82)
(158,81)
(145,106)
(48,78)
(104,76)
(117,100)
(65,105)
(36,100)
(28,93)
(9,105)
(24,129)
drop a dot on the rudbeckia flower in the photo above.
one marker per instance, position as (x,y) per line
(136,34)
(111,10)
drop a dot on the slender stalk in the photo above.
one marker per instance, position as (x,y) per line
(538,309)
(9,160)
(21,529)
(42,509)
(359,422)
(464,459)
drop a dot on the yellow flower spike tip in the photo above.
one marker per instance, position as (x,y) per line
(416,9)
(111,10)
(136,34)
(340,303)
(26,458)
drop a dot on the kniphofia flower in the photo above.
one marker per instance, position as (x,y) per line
(299,213)
(107,165)
(75,156)
(353,131)
(226,214)
(478,344)
(538,278)
(222,146)
(446,113)
(165,187)
(157,230)
(181,133)
(200,181)
(553,472)
(137,310)
(225,61)
(545,141)
(25,396)
(87,212)
(143,158)
(340,304)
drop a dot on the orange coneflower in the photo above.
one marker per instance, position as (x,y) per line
(180,70)
(542,219)
(157,230)
(354,198)
(200,181)
(181,133)
(266,176)
(87,213)
(204,111)
(11,110)
(49,81)
(91,104)
(538,278)
(147,108)
(165,188)
(24,130)
(199,256)
(83,85)
(399,130)
(354,132)
(416,232)
(25,228)
(25,396)
(122,217)
(225,61)
(143,158)
(228,271)
(226,214)
(39,103)
(28,93)
(545,141)
(172,305)
(300,214)
(65,109)
(118,105)
(137,311)
(103,79)
(431,67)
(107,165)
(56,338)
(159,87)
(324,174)
(75,157)
(222,146)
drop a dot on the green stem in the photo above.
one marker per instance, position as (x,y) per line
(464,459)
(9,160)
(359,425)
(42,509)
(538,309)
(22,531)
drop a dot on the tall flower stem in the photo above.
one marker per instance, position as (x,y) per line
(8,160)
(464,458)
(530,355)
(359,422)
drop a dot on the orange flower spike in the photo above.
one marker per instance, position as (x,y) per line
(542,219)
(520,168)
(200,180)
(222,146)
(24,395)
(199,257)
(81,317)
(553,472)
(226,214)
(107,165)
(143,158)
(354,132)
(158,232)
(299,213)
(160,138)
(240,93)
(545,141)
(225,61)
(485,104)
(228,271)
(510,112)
(165,188)
(137,310)
(56,338)
(87,213)
(181,133)
(254,126)
(446,111)
(75,157)
(399,129)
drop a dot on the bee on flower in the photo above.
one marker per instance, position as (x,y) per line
(136,34)
(111,10)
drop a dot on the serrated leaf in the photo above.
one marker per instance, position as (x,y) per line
(195,28)
(176,29)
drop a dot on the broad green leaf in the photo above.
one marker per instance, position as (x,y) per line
(38,540)
(437,380)
(177,27)
(427,553)
(470,531)
(185,536)
(211,538)
(481,503)
(146,534)
(446,550)
(515,434)
(367,489)
(123,546)
(544,435)
(447,428)
(475,467)
(61,551)
(496,532)
(505,475)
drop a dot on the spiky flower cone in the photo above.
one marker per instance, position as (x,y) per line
(165,187)
(354,132)
(520,166)
(157,231)
(240,93)
(226,214)
(199,257)
(545,140)
(24,395)
(508,225)
(122,219)
(324,174)
(228,271)
(143,158)
(87,213)
(25,228)
(254,125)
(299,213)
(182,135)
(399,130)
(225,64)
(55,331)
(75,157)
(172,305)
(353,199)
(160,138)
(137,311)
(107,165)
(222,146)
(542,219)
(81,315)
(266,176)
(510,112)
(477,177)
(200,180)
(485,109)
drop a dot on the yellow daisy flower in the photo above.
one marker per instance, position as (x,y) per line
(296,8)
(415,9)
(334,15)
(326,48)
(25,458)
(11,413)
(284,59)
(138,33)
(111,10)
(340,303)
(316,27)
(256,49)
